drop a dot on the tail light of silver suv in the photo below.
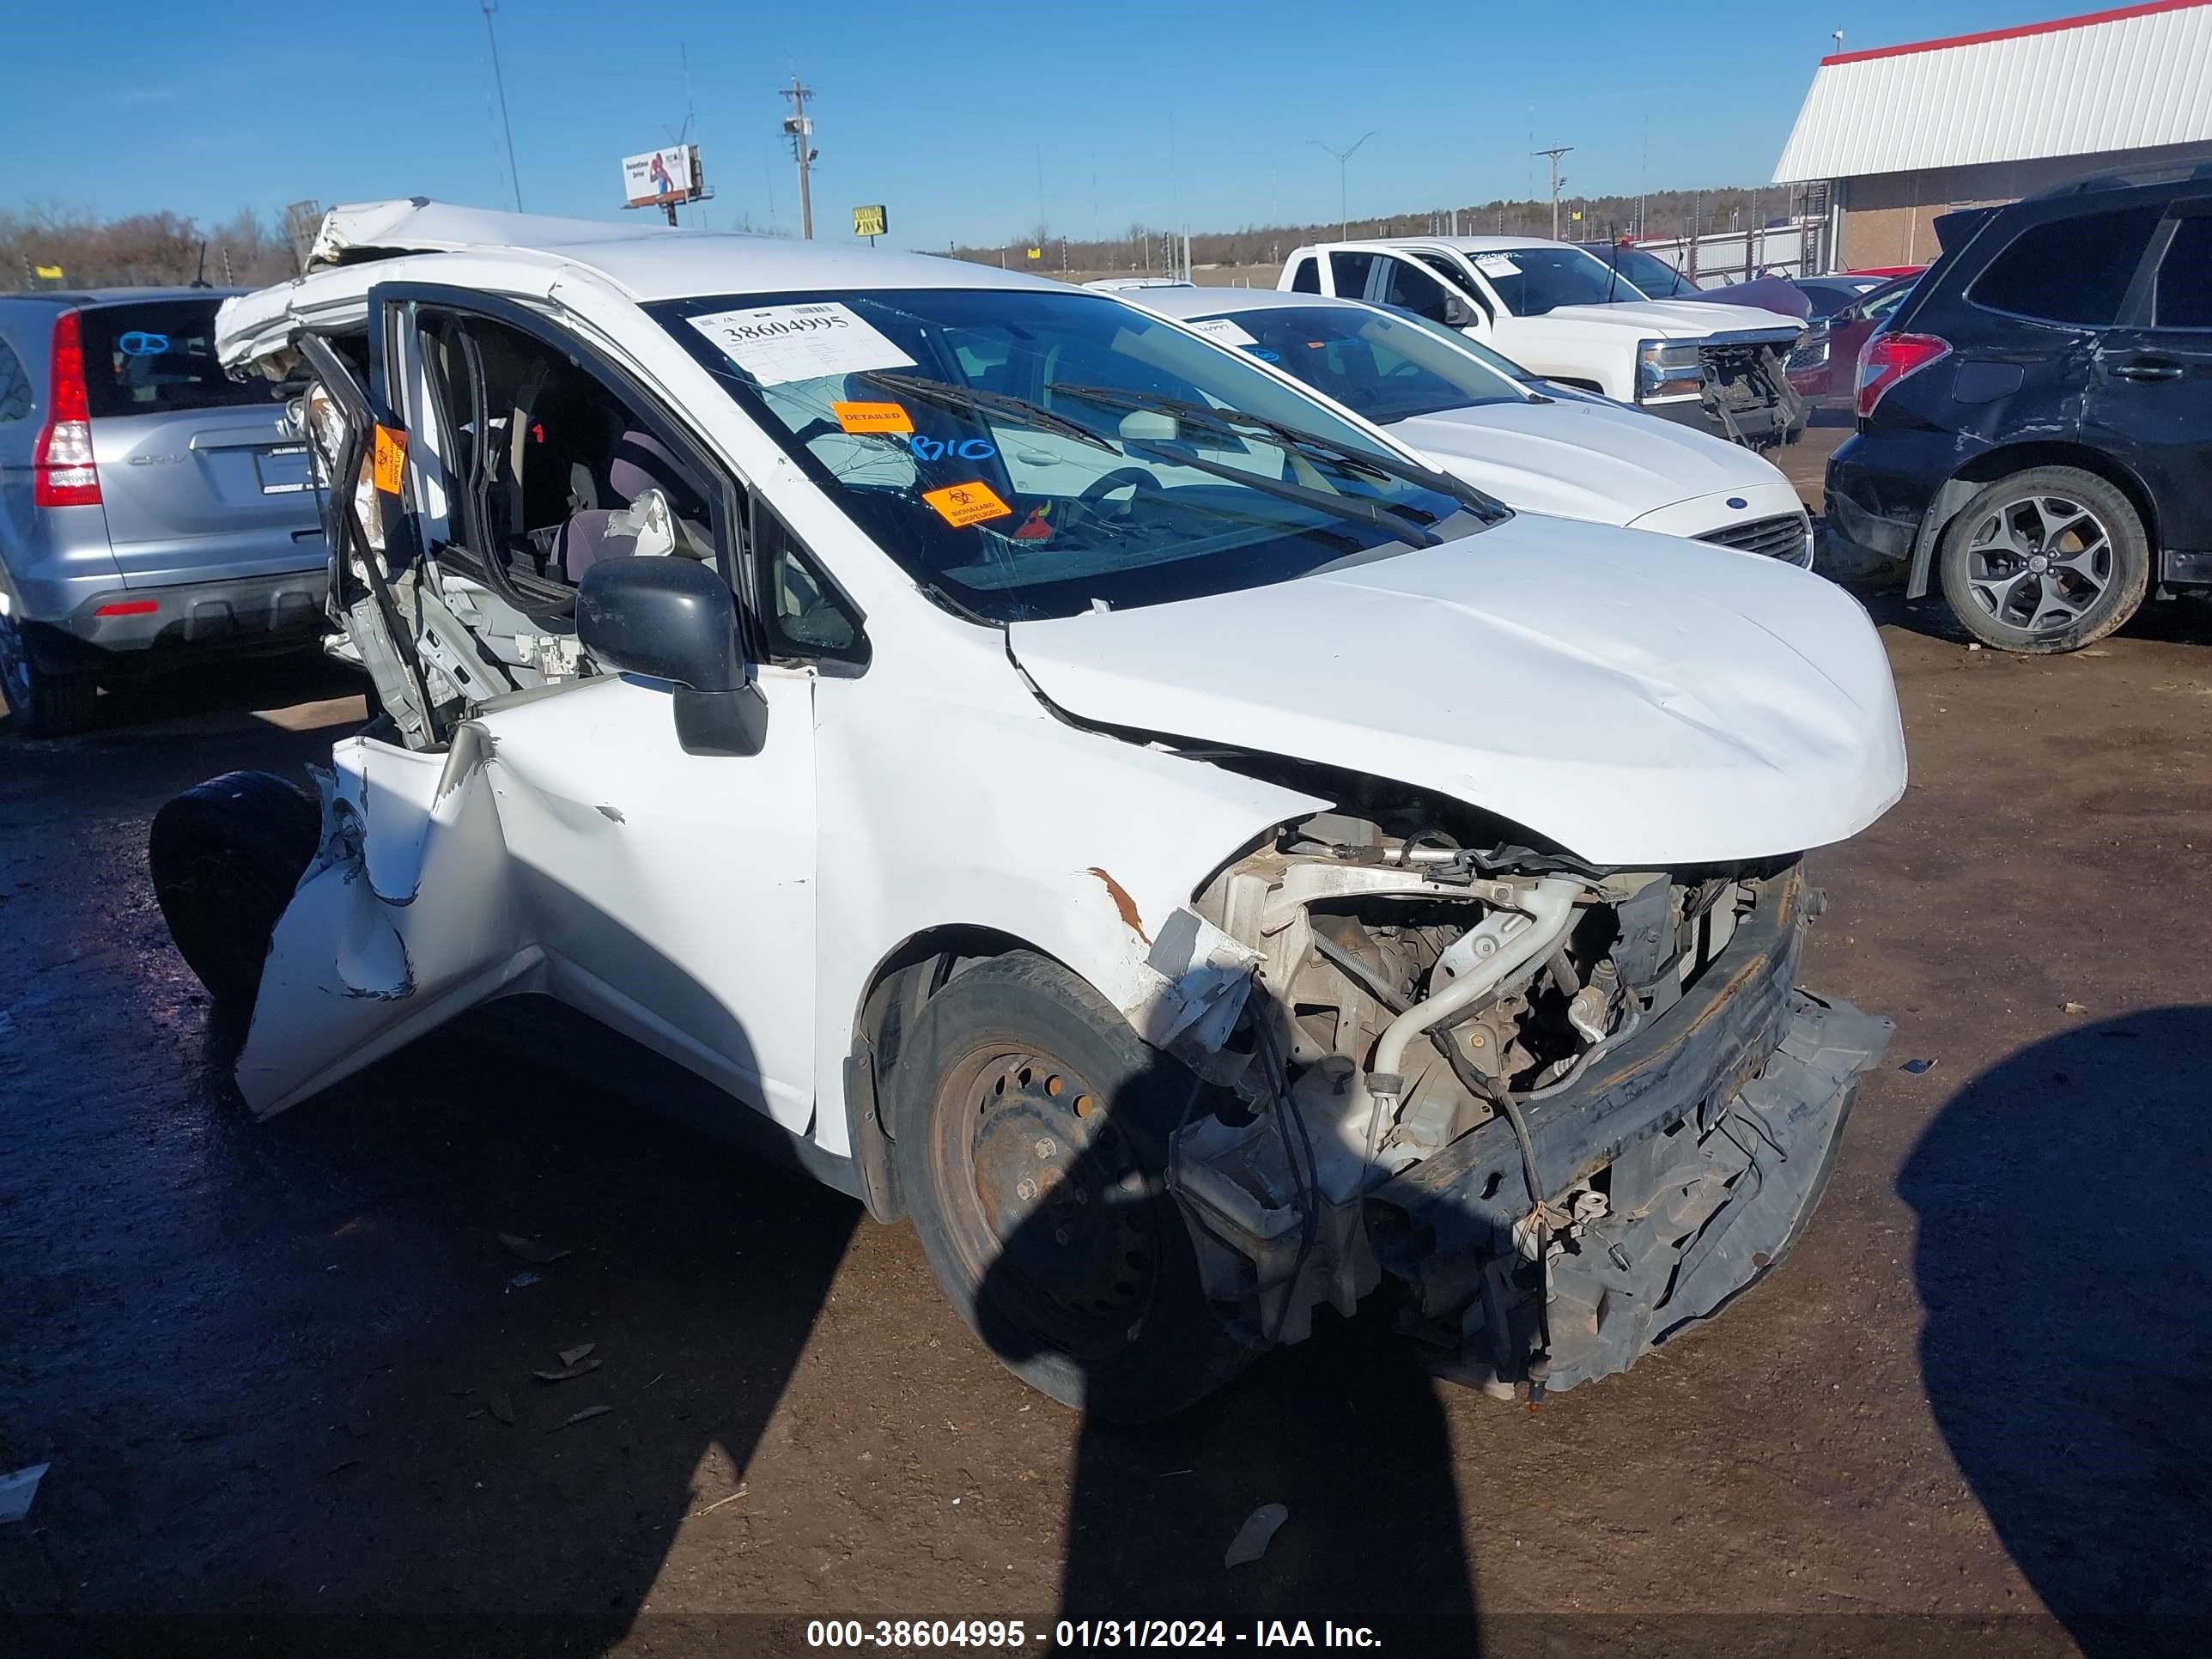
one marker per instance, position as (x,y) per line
(63,471)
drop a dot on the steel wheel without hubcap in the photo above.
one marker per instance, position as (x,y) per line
(1056,1205)
(1031,1147)
(2047,560)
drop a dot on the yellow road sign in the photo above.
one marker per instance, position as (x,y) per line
(874,221)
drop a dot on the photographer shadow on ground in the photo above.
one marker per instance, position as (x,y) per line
(441,1362)
(1093,1297)
(2066,1268)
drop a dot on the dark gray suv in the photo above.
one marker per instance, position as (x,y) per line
(152,510)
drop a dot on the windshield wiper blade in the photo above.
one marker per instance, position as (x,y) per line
(1354,508)
(945,395)
(1358,458)
(1357,510)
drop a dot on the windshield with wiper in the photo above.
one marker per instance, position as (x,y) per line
(1375,363)
(1028,454)
(1531,281)
(1653,276)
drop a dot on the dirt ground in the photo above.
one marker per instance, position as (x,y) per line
(273,1364)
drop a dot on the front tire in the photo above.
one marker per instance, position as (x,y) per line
(225,857)
(2048,560)
(1032,1144)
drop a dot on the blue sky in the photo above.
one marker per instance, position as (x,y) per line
(945,110)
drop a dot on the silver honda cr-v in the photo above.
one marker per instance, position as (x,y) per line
(152,510)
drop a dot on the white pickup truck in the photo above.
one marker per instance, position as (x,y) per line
(1567,317)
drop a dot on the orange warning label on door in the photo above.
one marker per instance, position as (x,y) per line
(872,417)
(967,503)
(390,459)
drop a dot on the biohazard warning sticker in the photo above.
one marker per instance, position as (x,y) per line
(390,459)
(872,417)
(966,503)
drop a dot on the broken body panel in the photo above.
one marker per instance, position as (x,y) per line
(1520,812)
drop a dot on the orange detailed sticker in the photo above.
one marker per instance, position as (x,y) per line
(967,503)
(390,459)
(872,417)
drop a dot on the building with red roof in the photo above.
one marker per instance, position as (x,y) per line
(1901,135)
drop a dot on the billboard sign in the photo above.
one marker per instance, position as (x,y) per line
(660,177)
(872,221)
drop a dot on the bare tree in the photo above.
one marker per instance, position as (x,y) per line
(144,249)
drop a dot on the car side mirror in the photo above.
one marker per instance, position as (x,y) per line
(1458,313)
(677,620)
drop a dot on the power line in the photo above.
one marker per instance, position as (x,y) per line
(514,177)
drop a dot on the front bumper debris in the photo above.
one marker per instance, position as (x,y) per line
(1747,399)
(1710,1138)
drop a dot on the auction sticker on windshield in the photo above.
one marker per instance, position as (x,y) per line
(967,503)
(1496,265)
(1222,330)
(872,417)
(778,344)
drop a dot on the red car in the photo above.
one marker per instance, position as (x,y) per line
(1824,366)
(1888,270)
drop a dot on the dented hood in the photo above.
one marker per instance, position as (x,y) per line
(1639,699)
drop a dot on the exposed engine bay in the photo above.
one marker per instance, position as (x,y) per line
(1566,1110)
(1748,390)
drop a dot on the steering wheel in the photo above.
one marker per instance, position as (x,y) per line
(1106,484)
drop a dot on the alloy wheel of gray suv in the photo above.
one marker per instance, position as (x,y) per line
(2047,560)
(43,704)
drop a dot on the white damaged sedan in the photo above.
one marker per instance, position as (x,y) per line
(1537,446)
(1062,783)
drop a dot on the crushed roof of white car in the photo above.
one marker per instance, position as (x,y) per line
(1058,781)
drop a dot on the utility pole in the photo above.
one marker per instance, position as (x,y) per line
(799,127)
(1343,162)
(499,82)
(1555,153)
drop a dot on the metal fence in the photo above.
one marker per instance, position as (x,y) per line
(1721,257)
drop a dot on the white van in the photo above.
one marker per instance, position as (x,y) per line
(1061,784)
